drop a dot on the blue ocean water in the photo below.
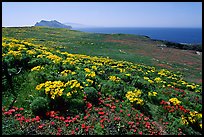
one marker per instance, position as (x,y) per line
(178,35)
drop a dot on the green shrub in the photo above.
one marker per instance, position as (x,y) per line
(39,106)
(92,94)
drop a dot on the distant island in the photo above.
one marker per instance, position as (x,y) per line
(52,24)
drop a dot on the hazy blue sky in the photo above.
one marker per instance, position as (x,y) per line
(106,14)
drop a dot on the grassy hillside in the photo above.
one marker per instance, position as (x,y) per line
(136,49)
(109,87)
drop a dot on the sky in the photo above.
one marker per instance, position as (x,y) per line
(105,14)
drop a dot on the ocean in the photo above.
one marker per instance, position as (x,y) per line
(178,35)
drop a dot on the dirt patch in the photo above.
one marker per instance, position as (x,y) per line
(165,66)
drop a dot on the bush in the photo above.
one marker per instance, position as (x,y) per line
(39,106)
(92,95)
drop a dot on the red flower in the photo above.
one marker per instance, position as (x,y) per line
(141,115)
(146,118)
(140,132)
(27,120)
(108,105)
(59,130)
(37,118)
(130,123)
(77,116)
(101,109)
(77,129)
(66,121)
(121,111)
(7,113)
(83,126)
(89,105)
(101,121)
(102,126)
(12,110)
(87,130)
(96,109)
(101,113)
(17,115)
(52,123)
(40,127)
(56,117)
(22,118)
(15,108)
(128,115)
(67,125)
(33,119)
(113,107)
(73,119)
(61,118)
(68,117)
(85,117)
(3,109)
(21,108)
(58,134)
(72,132)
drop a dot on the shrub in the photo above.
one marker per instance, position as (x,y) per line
(39,106)
(92,95)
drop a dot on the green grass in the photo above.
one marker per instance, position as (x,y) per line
(136,49)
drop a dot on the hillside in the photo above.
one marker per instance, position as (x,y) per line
(63,82)
(137,49)
(52,24)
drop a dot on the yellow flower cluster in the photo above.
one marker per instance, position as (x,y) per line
(194,118)
(15,53)
(89,81)
(31,52)
(37,68)
(94,67)
(174,101)
(87,70)
(152,94)
(157,80)
(64,73)
(74,86)
(191,86)
(183,120)
(54,58)
(133,96)
(114,78)
(149,80)
(91,74)
(121,70)
(54,88)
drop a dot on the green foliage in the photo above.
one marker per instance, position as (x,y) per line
(92,94)
(10,126)
(40,106)
(98,130)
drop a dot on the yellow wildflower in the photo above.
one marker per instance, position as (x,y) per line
(174,101)
(68,94)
